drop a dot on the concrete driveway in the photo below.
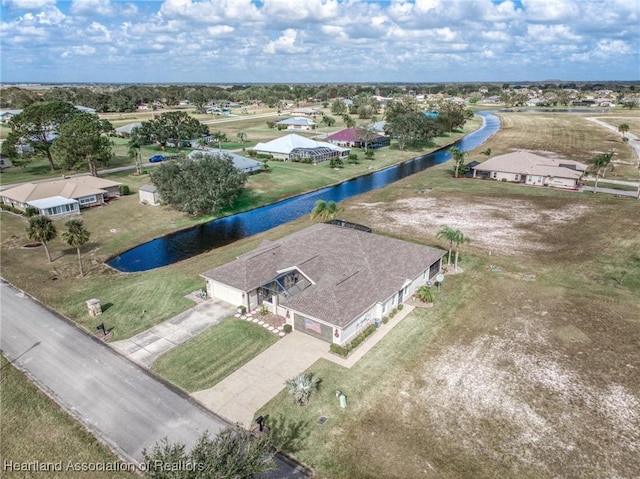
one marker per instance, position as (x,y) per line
(144,348)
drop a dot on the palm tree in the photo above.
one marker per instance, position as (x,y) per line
(623,128)
(328,121)
(349,122)
(325,210)
(42,229)
(218,137)
(449,234)
(301,387)
(460,238)
(486,152)
(601,164)
(458,156)
(76,236)
(242,136)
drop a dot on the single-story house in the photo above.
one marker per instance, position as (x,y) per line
(86,109)
(6,115)
(246,165)
(352,137)
(326,280)
(298,148)
(306,112)
(149,195)
(5,162)
(125,130)
(531,169)
(298,123)
(61,196)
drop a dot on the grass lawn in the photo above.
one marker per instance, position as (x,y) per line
(34,428)
(210,357)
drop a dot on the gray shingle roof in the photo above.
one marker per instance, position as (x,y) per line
(351,270)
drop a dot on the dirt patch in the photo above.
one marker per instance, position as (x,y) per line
(516,228)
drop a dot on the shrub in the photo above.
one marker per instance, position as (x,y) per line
(301,387)
(369,154)
(124,190)
(242,309)
(264,311)
(424,294)
(339,350)
(335,163)
(400,306)
(287,328)
(30,211)
(393,312)
(353,158)
(252,153)
(385,319)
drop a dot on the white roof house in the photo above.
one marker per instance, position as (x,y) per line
(531,169)
(298,148)
(55,206)
(128,128)
(298,123)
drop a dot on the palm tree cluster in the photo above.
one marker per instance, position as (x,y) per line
(301,387)
(453,236)
(325,210)
(42,229)
(601,164)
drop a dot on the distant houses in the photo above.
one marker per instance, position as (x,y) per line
(357,137)
(297,123)
(531,169)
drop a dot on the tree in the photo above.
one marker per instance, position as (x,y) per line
(601,164)
(174,127)
(449,234)
(338,107)
(232,454)
(205,184)
(218,137)
(82,139)
(325,210)
(36,126)
(451,115)
(134,152)
(349,122)
(42,229)
(366,135)
(76,236)
(408,127)
(460,238)
(458,156)
(242,136)
(623,128)
(301,387)
(486,152)
(328,121)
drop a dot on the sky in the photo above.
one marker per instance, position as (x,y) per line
(318,41)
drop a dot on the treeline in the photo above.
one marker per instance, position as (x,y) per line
(126,98)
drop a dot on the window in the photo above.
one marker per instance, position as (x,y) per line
(494,175)
(87,200)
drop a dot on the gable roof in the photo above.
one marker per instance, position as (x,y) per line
(349,134)
(350,270)
(526,163)
(239,162)
(286,144)
(73,188)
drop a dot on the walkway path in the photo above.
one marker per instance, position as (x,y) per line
(634,141)
(144,348)
(240,395)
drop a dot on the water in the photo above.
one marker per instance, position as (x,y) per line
(199,239)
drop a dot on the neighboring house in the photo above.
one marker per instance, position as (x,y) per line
(298,123)
(298,148)
(86,109)
(306,112)
(125,130)
(351,137)
(61,196)
(143,106)
(531,169)
(326,280)
(379,126)
(5,162)
(6,115)
(149,195)
(246,165)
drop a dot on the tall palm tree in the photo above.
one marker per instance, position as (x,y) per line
(623,128)
(76,236)
(601,164)
(328,121)
(219,137)
(242,136)
(325,210)
(460,238)
(449,234)
(42,229)
(458,156)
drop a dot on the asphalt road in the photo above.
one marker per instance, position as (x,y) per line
(117,401)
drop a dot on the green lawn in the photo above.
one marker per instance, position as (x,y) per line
(34,428)
(211,356)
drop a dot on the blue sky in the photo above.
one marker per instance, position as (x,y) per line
(285,41)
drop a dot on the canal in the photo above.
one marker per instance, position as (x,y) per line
(184,244)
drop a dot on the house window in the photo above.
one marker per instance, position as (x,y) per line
(516,177)
(384,307)
(87,200)
(494,175)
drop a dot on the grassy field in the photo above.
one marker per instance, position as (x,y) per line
(211,356)
(528,369)
(34,428)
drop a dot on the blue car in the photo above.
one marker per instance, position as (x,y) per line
(157,158)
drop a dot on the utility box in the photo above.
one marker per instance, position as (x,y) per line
(94,307)
(342,398)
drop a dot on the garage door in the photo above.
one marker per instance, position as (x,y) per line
(313,328)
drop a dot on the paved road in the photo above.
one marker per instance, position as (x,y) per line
(118,401)
(610,191)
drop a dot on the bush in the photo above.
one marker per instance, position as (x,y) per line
(339,350)
(264,311)
(424,294)
(393,312)
(335,163)
(30,211)
(124,190)
(400,306)
(385,319)
(355,342)
(242,309)
(252,153)
(287,328)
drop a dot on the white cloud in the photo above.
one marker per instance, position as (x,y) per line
(28,4)
(552,10)
(92,7)
(296,10)
(80,50)
(286,43)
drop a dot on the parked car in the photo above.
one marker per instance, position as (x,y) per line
(157,158)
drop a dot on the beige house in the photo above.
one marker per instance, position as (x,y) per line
(61,196)
(531,169)
(326,280)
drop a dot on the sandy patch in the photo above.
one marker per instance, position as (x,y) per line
(513,228)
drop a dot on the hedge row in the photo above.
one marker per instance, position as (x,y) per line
(355,342)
